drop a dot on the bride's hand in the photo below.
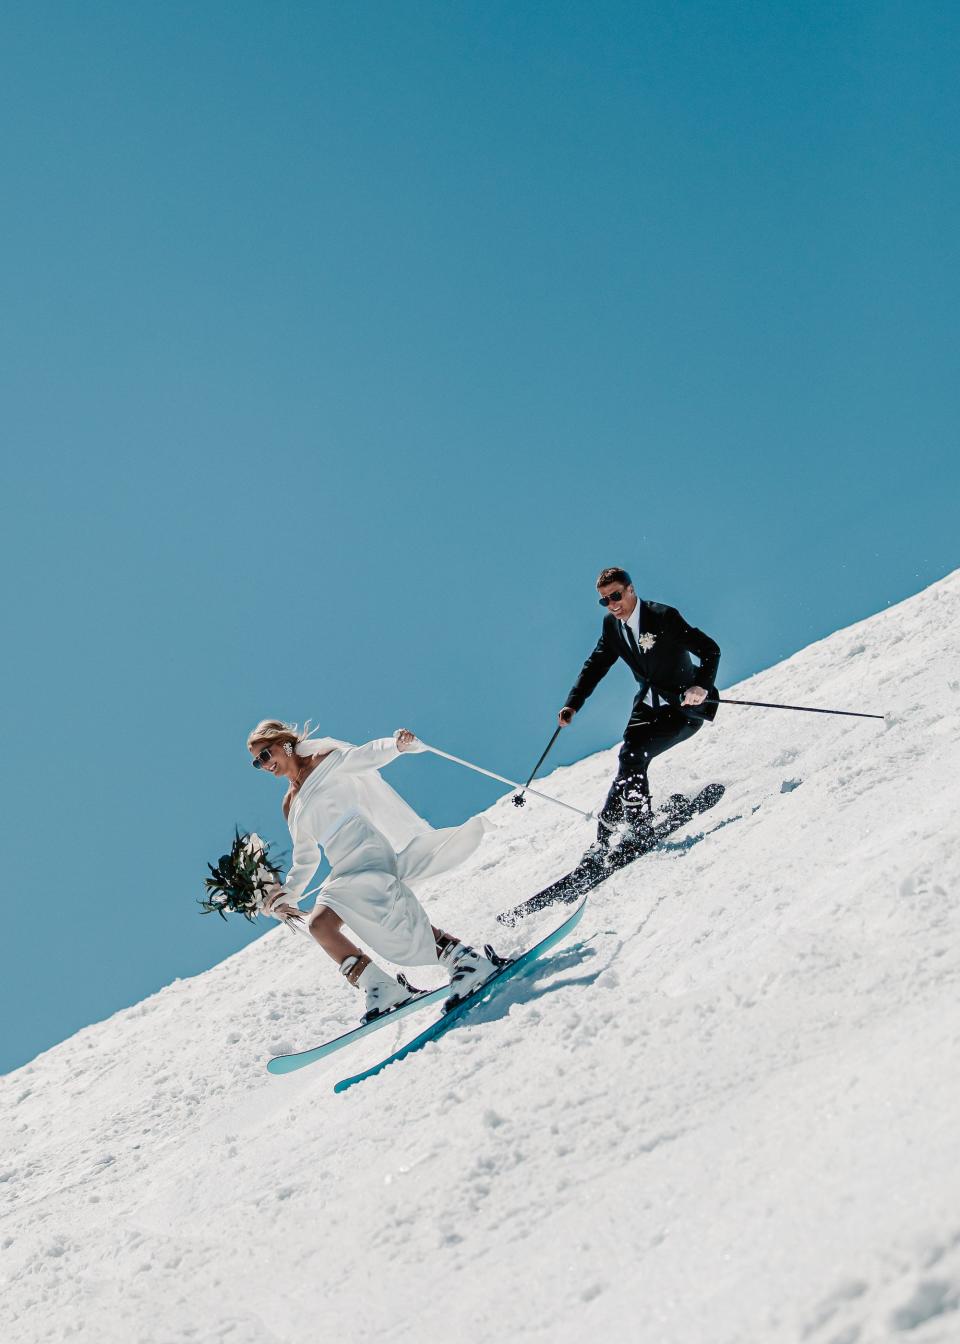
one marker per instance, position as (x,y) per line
(405,740)
(276,906)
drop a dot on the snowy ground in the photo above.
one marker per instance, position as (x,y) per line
(726,1111)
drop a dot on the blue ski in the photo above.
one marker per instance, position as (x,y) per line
(478,996)
(289,1063)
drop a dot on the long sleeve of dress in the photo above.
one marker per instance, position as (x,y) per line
(371,756)
(305,862)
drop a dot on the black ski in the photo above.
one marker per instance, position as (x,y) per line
(600,863)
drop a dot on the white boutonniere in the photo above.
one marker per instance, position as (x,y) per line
(647,641)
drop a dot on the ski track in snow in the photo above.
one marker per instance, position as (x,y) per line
(724,1112)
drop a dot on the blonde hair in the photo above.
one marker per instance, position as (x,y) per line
(269,731)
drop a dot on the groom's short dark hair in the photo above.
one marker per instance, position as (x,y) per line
(613,575)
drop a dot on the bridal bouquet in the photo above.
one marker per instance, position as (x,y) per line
(241,879)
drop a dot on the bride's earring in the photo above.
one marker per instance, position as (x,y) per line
(287,749)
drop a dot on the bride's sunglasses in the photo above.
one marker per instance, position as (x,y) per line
(261,759)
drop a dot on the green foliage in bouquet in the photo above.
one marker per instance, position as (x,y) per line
(241,878)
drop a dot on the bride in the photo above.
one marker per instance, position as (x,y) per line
(336,801)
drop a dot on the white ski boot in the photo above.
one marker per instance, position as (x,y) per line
(467,968)
(383,992)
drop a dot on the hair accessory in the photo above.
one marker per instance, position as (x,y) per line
(287,749)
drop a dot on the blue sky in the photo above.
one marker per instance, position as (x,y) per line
(341,345)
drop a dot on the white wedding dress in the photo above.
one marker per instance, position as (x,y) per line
(376,845)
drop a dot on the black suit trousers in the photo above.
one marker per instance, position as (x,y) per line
(649,733)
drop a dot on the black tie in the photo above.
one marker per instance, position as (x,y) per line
(632,639)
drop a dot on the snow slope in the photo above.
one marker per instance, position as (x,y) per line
(726,1111)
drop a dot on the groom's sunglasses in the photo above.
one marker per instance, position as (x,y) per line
(611,597)
(261,759)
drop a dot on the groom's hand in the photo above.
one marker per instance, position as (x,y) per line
(565,716)
(694,695)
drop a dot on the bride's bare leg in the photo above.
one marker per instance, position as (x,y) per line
(325,925)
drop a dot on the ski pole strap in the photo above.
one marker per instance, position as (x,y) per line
(804,709)
(468,765)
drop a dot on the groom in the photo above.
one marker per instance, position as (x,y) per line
(673,699)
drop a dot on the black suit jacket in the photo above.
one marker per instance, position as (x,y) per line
(666,668)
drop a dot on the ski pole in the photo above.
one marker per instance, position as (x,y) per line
(468,765)
(806,709)
(518,798)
